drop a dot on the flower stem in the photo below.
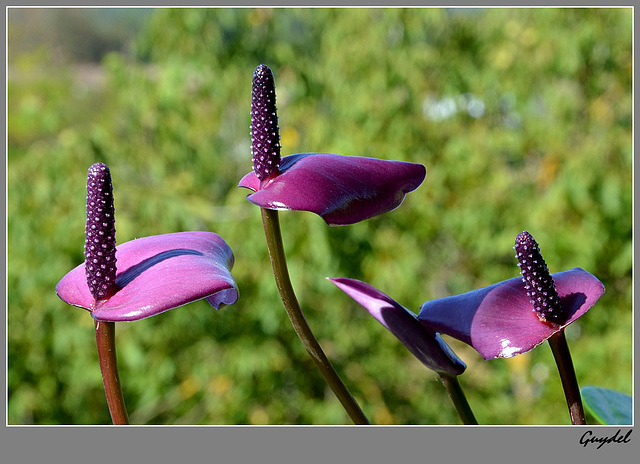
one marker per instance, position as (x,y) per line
(458,398)
(560,349)
(283,282)
(105,340)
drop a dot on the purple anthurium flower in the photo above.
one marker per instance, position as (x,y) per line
(422,341)
(154,274)
(341,189)
(516,315)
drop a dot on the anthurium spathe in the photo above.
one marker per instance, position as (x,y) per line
(145,276)
(501,321)
(341,189)
(158,273)
(423,342)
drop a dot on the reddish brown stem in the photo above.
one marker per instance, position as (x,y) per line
(105,340)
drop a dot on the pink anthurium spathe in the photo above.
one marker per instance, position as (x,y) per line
(158,273)
(423,342)
(341,189)
(501,320)
(145,276)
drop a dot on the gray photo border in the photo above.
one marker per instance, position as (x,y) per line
(305,444)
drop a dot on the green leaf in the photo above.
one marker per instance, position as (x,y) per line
(610,407)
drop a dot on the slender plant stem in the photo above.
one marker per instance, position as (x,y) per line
(560,349)
(283,282)
(458,398)
(105,340)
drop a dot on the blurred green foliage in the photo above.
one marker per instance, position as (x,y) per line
(522,117)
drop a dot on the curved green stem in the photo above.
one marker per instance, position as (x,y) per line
(458,398)
(105,340)
(560,349)
(283,282)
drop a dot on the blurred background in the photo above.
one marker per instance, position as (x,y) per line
(523,118)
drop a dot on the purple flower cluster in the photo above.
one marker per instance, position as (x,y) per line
(150,275)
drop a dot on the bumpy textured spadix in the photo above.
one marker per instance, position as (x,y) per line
(100,233)
(537,280)
(265,135)
(341,189)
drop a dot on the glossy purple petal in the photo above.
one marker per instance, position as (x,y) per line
(341,189)
(423,342)
(159,273)
(499,320)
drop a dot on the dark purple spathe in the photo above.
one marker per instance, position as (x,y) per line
(341,189)
(421,341)
(499,320)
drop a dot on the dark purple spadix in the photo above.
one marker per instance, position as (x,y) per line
(537,281)
(265,135)
(100,233)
